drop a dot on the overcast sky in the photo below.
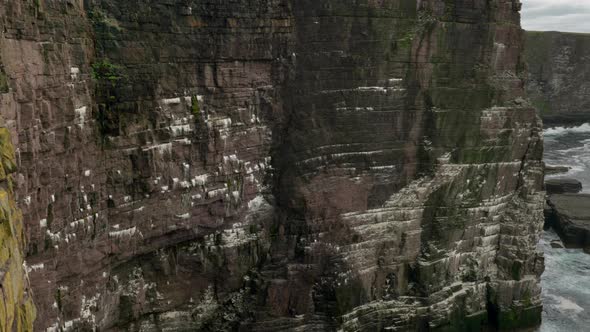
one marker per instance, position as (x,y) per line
(558,15)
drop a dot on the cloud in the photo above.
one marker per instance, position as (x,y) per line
(556,15)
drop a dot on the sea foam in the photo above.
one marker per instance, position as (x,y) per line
(558,131)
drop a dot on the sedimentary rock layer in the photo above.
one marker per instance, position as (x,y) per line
(559,75)
(275,164)
(569,215)
(562,186)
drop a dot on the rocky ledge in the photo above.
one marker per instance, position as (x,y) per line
(562,186)
(551,170)
(569,215)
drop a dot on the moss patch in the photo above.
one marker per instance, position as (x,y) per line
(105,71)
(542,106)
(519,318)
(195,108)
(17,311)
(108,78)
(4,88)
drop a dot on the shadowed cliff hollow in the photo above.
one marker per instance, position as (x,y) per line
(559,75)
(274,164)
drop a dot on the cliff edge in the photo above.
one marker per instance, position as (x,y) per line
(559,72)
(275,164)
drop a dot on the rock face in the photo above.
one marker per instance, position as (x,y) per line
(559,76)
(275,164)
(17,311)
(562,186)
(551,170)
(570,216)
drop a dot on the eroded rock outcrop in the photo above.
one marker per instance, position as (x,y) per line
(562,186)
(569,215)
(559,76)
(275,164)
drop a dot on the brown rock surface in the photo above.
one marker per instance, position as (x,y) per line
(274,164)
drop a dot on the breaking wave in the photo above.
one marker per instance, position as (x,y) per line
(566,287)
(558,131)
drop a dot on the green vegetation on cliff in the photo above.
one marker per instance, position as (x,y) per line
(104,71)
(3,82)
(17,311)
(107,77)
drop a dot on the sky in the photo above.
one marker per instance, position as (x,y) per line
(556,15)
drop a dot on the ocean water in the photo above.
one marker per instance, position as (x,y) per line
(570,147)
(566,288)
(566,281)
